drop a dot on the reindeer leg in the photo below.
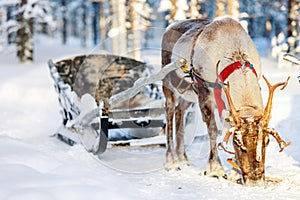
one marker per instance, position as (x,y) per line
(282,144)
(179,116)
(214,167)
(170,110)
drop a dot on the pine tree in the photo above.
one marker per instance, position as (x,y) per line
(20,22)
(293,26)
(25,44)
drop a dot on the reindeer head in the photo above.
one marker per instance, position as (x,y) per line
(251,135)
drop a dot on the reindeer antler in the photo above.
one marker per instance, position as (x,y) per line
(234,113)
(267,113)
(282,144)
(224,143)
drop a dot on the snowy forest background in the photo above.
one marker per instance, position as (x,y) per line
(120,26)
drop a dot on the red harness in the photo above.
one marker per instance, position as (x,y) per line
(223,76)
(234,66)
(225,73)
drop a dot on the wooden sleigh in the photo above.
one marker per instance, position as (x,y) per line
(85,84)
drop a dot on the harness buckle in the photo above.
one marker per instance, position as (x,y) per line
(181,91)
(183,65)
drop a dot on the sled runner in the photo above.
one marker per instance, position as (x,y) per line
(293,59)
(85,84)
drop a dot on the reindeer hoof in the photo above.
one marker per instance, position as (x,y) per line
(216,175)
(214,169)
(173,166)
(239,181)
(235,176)
(184,162)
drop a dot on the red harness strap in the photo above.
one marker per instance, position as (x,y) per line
(234,66)
(220,103)
(223,76)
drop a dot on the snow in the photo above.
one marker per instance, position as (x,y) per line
(34,165)
(165,5)
(8,2)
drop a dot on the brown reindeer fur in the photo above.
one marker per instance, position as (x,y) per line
(177,105)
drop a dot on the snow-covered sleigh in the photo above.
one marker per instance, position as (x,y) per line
(85,84)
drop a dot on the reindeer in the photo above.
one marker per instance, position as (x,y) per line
(222,59)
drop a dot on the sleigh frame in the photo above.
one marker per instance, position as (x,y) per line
(84,85)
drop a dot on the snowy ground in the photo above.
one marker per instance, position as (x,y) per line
(34,165)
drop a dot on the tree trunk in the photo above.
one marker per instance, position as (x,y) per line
(118,33)
(73,23)
(84,24)
(11,36)
(220,7)
(113,33)
(178,11)
(121,14)
(173,10)
(136,31)
(233,8)
(25,43)
(194,9)
(293,26)
(95,22)
(1,30)
(64,21)
(102,25)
